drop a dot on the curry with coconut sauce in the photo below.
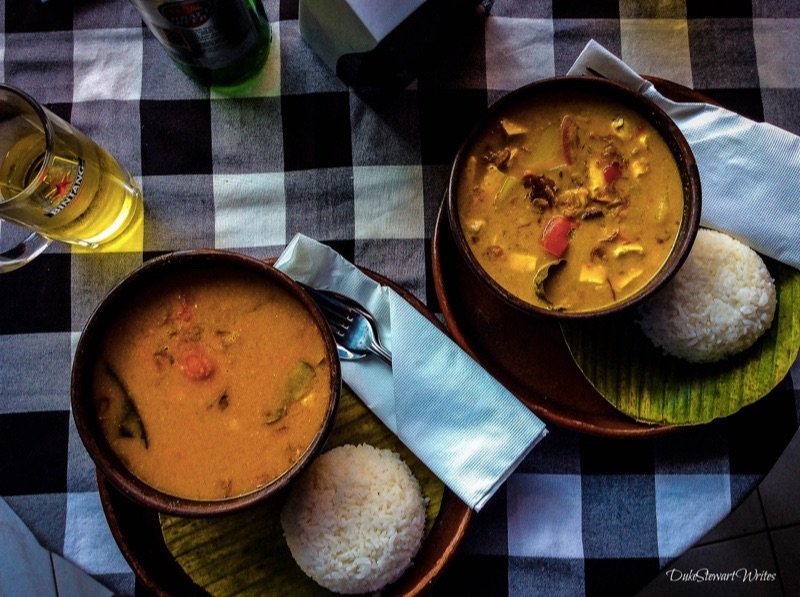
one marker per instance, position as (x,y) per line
(570,203)
(212,384)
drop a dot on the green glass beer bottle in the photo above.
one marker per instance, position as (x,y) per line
(217,42)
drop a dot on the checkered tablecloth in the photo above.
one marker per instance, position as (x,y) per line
(365,172)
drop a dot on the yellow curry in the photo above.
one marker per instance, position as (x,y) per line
(570,203)
(212,385)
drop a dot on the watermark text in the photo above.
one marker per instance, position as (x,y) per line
(738,575)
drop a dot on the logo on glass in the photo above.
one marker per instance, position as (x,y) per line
(67,192)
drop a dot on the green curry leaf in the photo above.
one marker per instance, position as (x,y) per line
(298,385)
(130,424)
(541,277)
(510,188)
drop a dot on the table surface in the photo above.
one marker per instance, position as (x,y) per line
(364,172)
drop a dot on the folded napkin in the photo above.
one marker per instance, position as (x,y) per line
(461,422)
(27,568)
(748,170)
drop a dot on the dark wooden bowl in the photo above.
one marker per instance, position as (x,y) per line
(112,308)
(594,87)
(139,534)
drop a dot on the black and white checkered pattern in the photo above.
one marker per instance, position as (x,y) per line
(364,172)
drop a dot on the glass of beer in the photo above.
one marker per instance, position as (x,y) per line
(58,183)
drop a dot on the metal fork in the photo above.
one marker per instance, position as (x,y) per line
(354,328)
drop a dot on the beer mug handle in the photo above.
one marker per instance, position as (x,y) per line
(23,253)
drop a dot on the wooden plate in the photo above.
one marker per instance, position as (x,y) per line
(224,555)
(528,354)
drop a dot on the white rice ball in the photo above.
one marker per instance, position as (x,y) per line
(718,304)
(355,520)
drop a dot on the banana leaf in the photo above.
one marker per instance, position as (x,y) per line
(649,386)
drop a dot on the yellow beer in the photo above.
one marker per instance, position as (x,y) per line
(77,193)
(59,183)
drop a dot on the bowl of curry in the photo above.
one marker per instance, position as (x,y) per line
(204,382)
(574,197)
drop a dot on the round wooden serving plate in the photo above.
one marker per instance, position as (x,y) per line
(220,556)
(528,354)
